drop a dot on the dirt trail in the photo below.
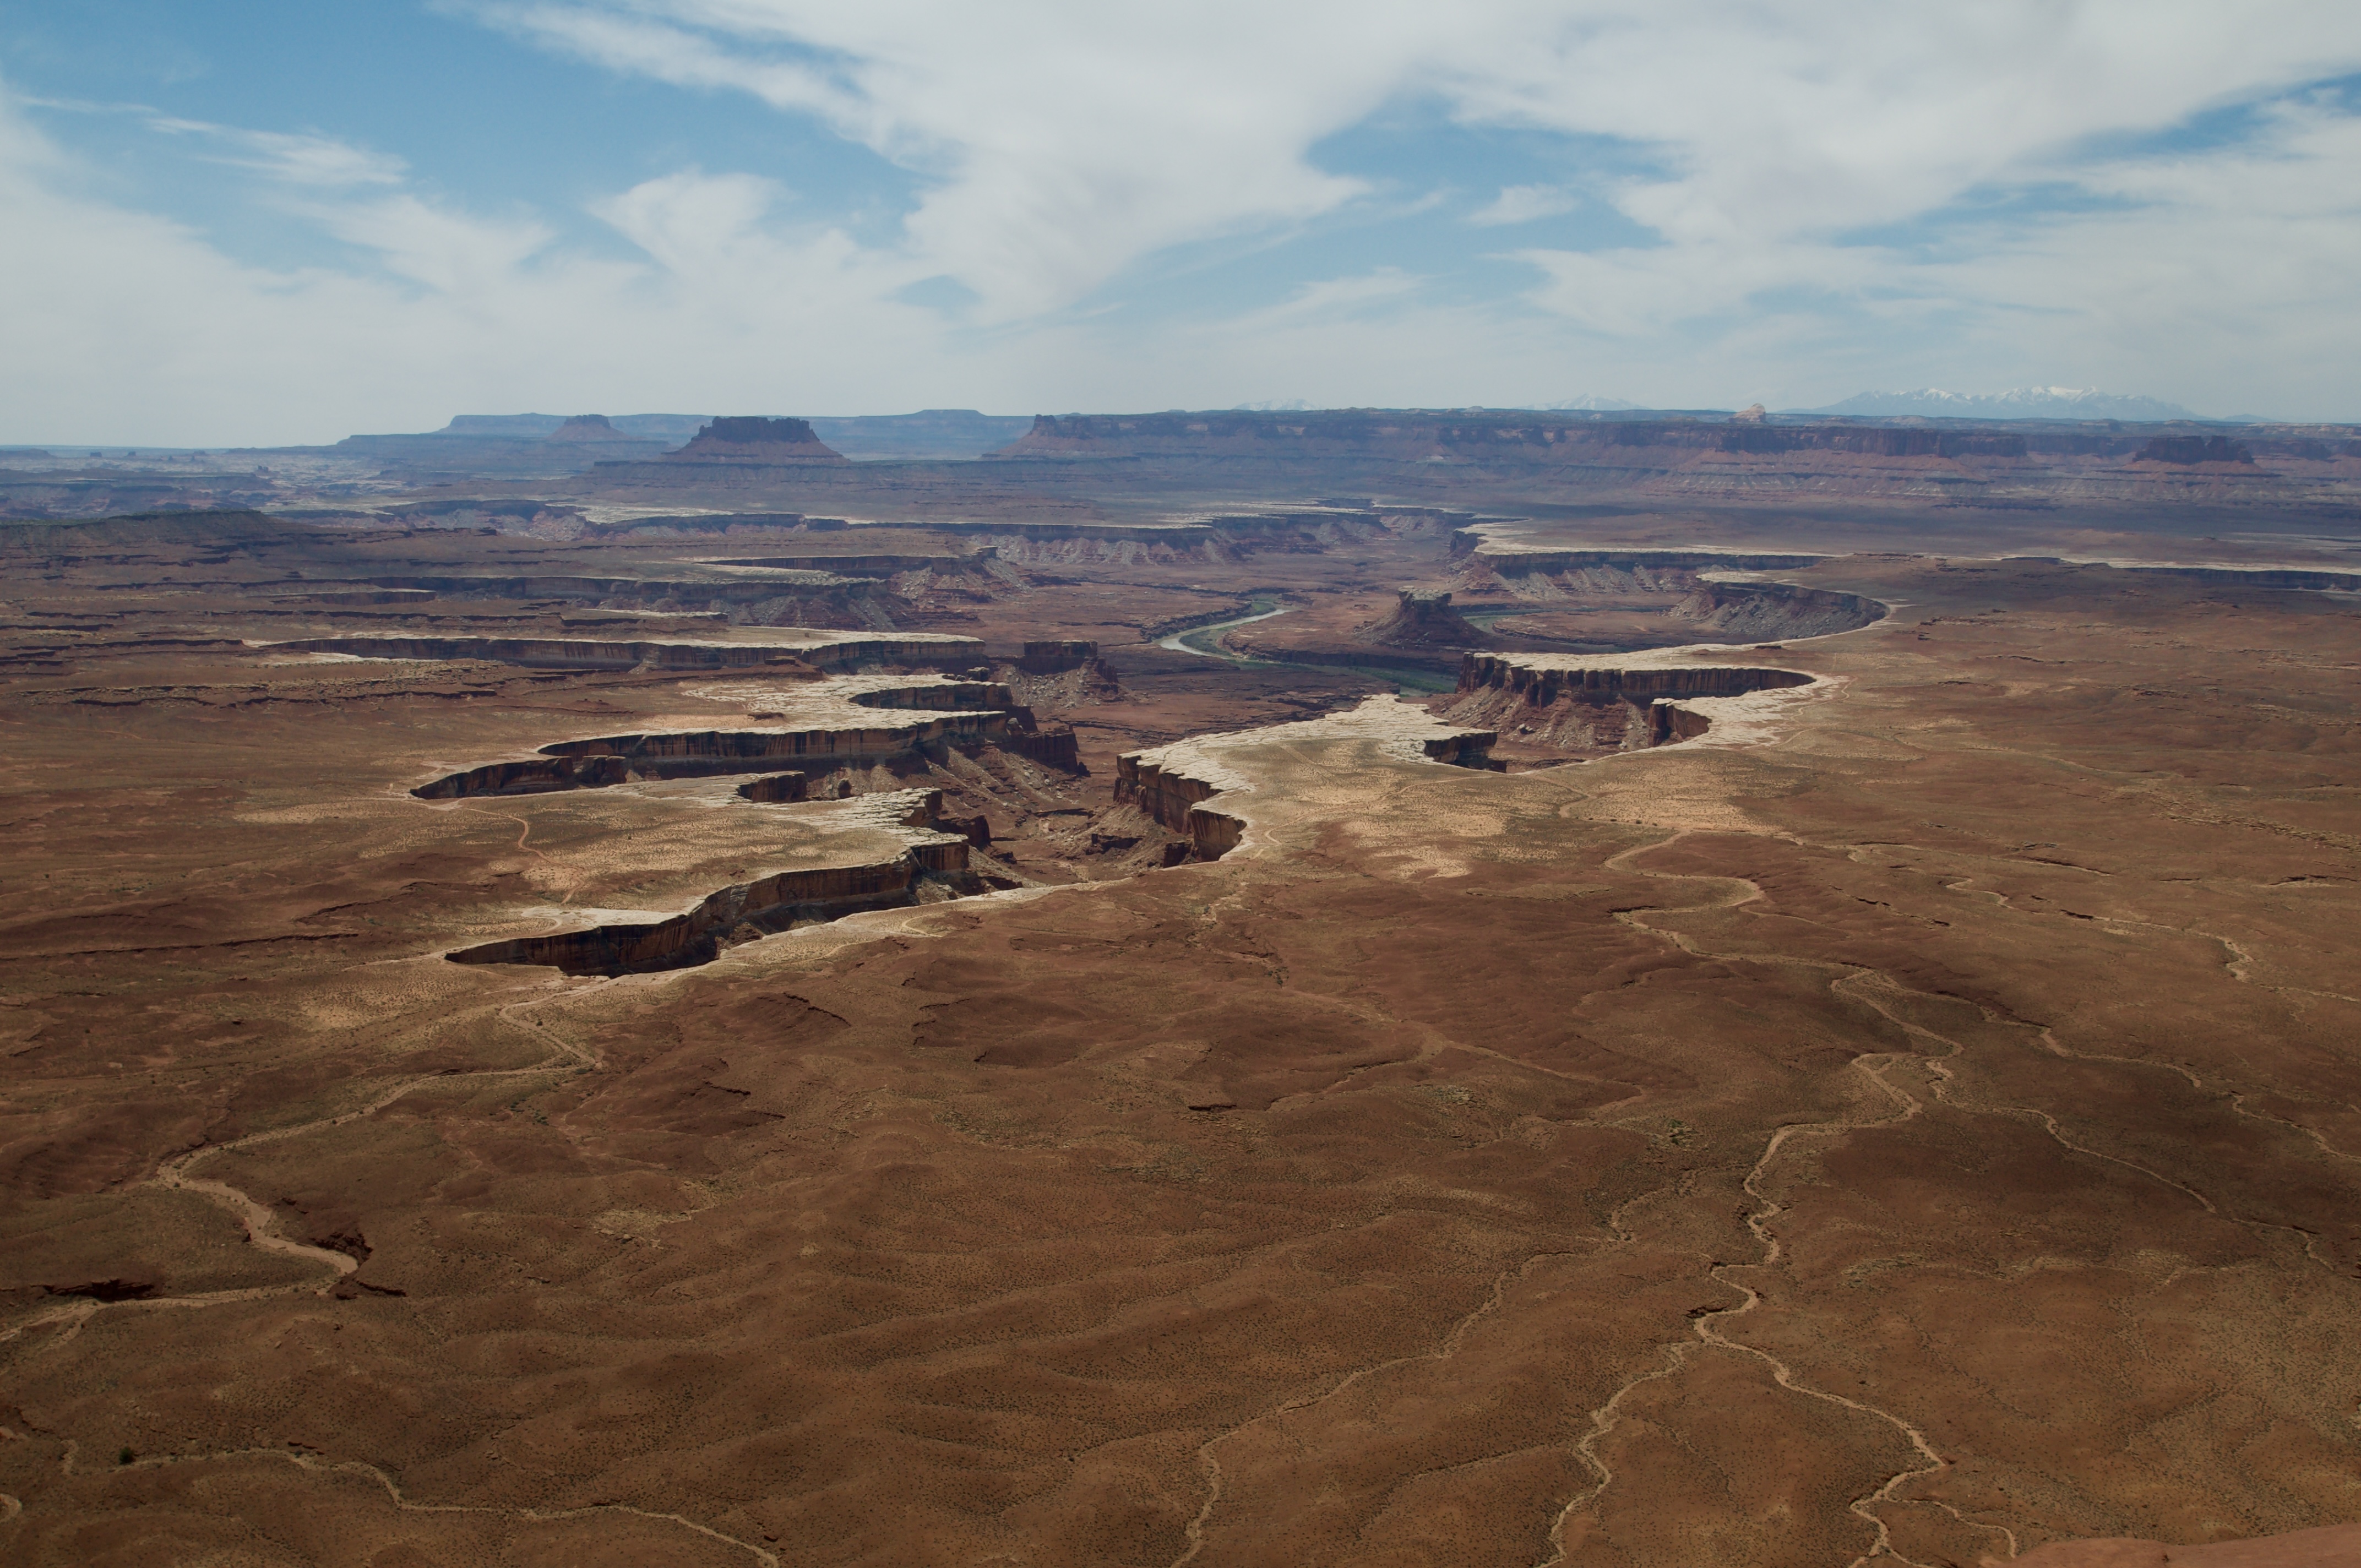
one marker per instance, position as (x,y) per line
(394,1495)
(1706,1329)
(260,1224)
(1446,1347)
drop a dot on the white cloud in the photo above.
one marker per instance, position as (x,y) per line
(1523,204)
(1065,143)
(145,331)
(298,160)
(1331,297)
(1808,180)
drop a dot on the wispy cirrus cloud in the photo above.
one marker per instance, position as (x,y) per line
(1525,204)
(319,162)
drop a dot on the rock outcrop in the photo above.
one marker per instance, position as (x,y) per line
(529,775)
(1572,706)
(745,911)
(589,428)
(1540,681)
(775,789)
(1423,619)
(744,440)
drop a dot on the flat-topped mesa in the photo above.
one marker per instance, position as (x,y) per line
(932,865)
(2189,451)
(1545,701)
(587,428)
(1059,675)
(1423,619)
(756,441)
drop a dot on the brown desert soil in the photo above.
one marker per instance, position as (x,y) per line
(1908,1115)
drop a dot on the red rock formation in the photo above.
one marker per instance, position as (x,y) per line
(1174,802)
(1423,619)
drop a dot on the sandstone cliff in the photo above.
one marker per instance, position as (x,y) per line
(1423,619)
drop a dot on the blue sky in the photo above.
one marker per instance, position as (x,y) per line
(269,221)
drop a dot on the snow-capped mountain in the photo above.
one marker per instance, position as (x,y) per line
(1589,401)
(2021,402)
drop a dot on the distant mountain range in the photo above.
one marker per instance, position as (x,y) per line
(2021,402)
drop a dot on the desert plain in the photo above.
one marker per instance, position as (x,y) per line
(1395,991)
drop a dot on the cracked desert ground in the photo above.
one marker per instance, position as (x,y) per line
(1911,1115)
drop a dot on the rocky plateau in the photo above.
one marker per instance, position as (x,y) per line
(1357,987)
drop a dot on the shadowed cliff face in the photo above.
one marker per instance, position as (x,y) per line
(934,864)
(1546,710)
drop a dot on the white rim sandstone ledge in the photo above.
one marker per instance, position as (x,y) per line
(804,644)
(1171,782)
(1682,681)
(841,720)
(886,845)
(1174,783)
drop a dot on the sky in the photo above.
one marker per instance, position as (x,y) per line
(281,220)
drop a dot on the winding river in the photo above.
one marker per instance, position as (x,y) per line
(1184,641)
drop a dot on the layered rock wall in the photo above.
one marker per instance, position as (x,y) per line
(703,752)
(529,775)
(1541,684)
(1543,702)
(1174,801)
(766,904)
(1773,610)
